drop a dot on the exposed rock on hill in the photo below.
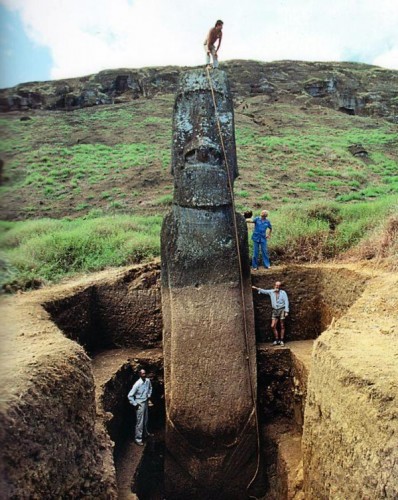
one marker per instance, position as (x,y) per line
(352,88)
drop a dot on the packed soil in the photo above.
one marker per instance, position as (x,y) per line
(37,359)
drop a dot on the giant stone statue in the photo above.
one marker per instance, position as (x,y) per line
(209,344)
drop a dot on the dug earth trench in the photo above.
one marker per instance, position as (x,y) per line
(70,353)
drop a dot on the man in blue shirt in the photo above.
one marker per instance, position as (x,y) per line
(259,237)
(138,397)
(280,309)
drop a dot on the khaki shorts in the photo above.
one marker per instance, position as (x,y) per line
(278,313)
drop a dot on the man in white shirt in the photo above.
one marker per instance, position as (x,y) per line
(280,309)
(138,397)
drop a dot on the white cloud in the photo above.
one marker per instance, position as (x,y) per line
(388,59)
(85,36)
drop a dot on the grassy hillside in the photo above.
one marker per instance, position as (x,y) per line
(102,174)
(116,158)
(45,250)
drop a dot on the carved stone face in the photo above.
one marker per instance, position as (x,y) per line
(198,159)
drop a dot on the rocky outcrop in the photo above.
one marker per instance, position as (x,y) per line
(352,88)
(207,305)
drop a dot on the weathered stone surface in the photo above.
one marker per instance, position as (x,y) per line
(321,88)
(359,151)
(210,372)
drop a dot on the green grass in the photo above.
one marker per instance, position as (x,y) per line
(165,200)
(47,250)
(318,162)
(33,164)
(316,230)
(58,158)
(242,193)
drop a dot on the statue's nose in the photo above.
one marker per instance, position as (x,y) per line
(200,152)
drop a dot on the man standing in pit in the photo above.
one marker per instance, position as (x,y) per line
(138,397)
(260,236)
(280,309)
(209,44)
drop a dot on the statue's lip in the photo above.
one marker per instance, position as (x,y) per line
(203,166)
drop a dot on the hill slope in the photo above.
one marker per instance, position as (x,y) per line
(298,141)
(303,130)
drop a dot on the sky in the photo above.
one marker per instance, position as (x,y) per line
(52,39)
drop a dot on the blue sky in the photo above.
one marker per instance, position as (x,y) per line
(21,60)
(50,39)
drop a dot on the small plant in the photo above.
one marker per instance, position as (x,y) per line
(166,200)
(242,193)
(116,204)
(81,206)
(310,186)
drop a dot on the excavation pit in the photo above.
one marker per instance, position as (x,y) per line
(116,318)
(282,376)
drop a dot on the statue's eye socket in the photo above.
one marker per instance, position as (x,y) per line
(190,156)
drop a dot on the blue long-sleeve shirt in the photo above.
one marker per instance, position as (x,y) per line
(277,303)
(140,392)
(260,229)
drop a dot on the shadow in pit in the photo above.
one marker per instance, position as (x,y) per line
(148,480)
(130,459)
(282,387)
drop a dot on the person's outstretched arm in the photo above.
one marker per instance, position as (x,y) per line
(261,290)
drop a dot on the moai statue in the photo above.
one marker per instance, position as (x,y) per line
(209,342)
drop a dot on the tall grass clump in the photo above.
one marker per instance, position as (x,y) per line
(313,231)
(48,250)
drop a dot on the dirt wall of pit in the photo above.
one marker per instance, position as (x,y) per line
(121,311)
(51,444)
(316,294)
(125,310)
(350,438)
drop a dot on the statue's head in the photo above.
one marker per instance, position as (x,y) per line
(198,159)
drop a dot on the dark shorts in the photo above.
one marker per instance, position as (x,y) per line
(278,314)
